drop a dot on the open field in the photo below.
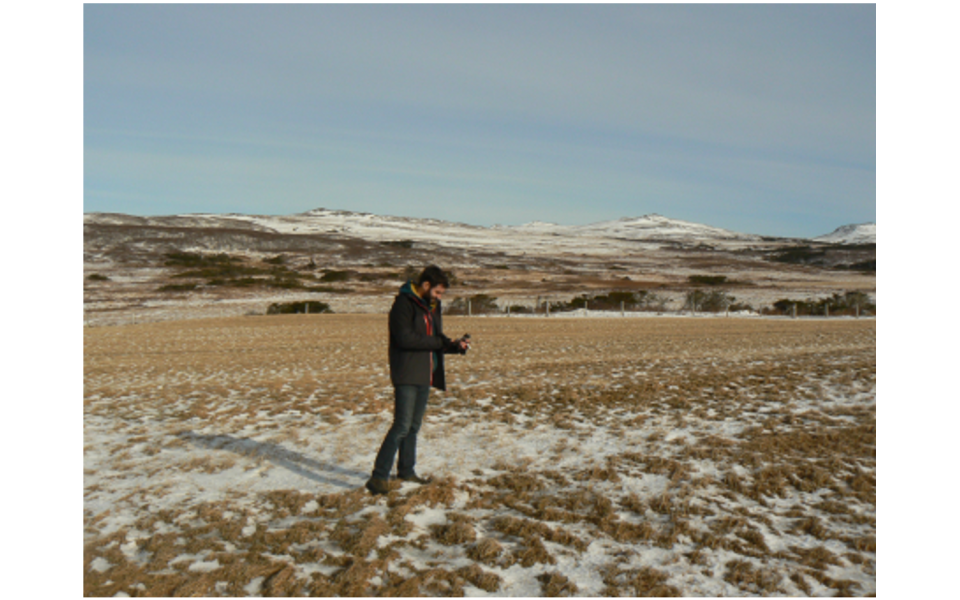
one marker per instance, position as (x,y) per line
(617,457)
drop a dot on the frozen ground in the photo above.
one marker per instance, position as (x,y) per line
(572,457)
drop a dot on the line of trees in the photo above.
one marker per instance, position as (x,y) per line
(696,300)
(847,303)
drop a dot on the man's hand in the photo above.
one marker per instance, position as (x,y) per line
(464,342)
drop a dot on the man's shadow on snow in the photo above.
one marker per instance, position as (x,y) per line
(278,455)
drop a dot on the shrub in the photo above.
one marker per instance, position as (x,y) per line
(97,277)
(290,308)
(182,287)
(331,276)
(220,271)
(192,259)
(285,281)
(837,304)
(241,282)
(867,266)
(799,255)
(276,260)
(405,244)
(708,279)
(713,301)
(639,300)
(518,309)
(477,304)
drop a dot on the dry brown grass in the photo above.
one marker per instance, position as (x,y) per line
(776,446)
(526,529)
(360,538)
(487,551)
(753,579)
(642,582)
(453,534)
(555,585)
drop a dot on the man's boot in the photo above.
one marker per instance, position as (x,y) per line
(377,486)
(416,479)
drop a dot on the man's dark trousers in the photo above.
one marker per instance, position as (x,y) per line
(410,403)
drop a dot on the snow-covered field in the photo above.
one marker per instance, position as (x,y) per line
(622,457)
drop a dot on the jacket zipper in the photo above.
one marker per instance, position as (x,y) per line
(429,321)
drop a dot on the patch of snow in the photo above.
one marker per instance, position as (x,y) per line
(863,233)
(100,564)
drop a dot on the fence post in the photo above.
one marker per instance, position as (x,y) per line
(621,309)
(794,310)
(548,307)
(826,310)
(508,310)
(858,310)
(469,308)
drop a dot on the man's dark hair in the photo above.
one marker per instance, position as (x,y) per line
(435,276)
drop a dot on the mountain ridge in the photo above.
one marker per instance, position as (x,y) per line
(649,227)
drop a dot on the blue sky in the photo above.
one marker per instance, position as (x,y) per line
(757,118)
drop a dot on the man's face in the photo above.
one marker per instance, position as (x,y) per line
(431,293)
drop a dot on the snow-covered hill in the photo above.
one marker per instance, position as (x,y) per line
(627,235)
(863,233)
(647,227)
(634,233)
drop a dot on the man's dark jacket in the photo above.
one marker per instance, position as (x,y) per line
(416,356)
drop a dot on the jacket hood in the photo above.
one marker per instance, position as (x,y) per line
(407,289)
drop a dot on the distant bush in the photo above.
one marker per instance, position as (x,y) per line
(221,271)
(308,307)
(638,300)
(712,301)
(239,282)
(405,244)
(842,257)
(708,279)
(192,259)
(331,276)
(519,309)
(866,266)
(284,281)
(478,304)
(276,260)
(224,270)
(799,255)
(836,305)
(182,287)
(374,276)
(97,277)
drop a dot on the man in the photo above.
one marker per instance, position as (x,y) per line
(417,346)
